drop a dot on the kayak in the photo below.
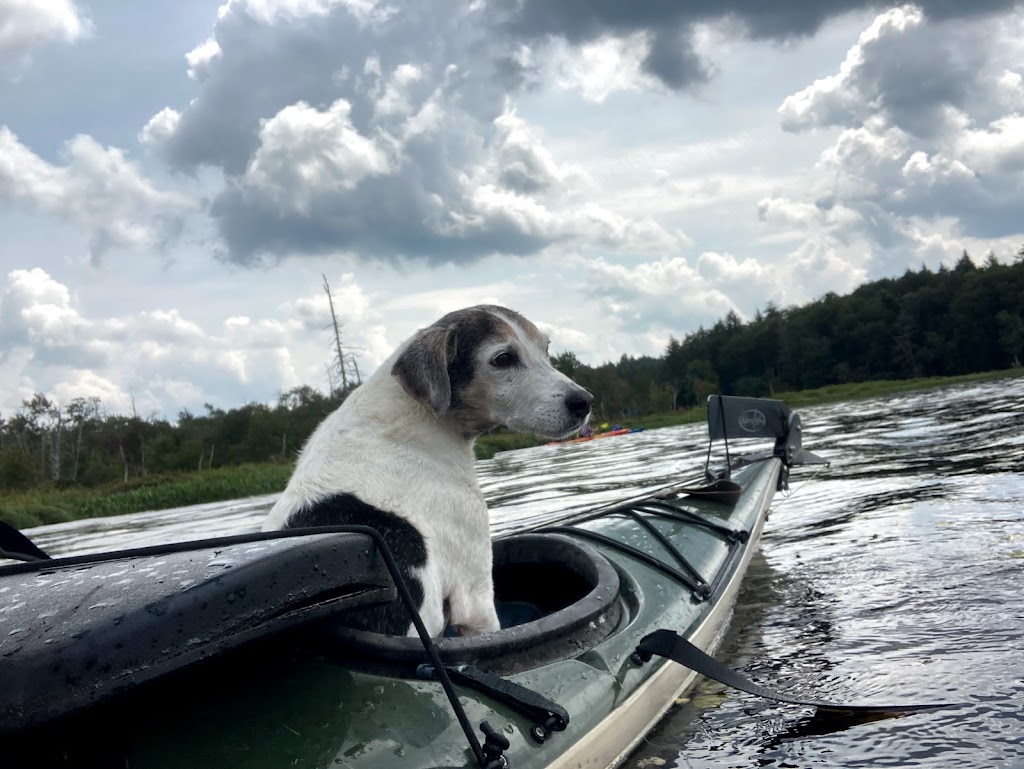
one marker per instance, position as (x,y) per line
(233,652)
(595,436)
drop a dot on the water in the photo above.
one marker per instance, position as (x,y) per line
(895,575)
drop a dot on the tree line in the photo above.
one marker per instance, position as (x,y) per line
(926,323)
(46,442)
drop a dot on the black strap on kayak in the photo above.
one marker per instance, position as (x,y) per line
(664,510)
(18,547)
(671,645)
(670,546)
(547,716)
(701,591)
(686,574)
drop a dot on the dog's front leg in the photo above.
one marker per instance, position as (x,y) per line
(472,608)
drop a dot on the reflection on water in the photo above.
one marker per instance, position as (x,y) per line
(895,575)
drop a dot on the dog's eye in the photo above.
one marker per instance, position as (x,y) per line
(504,359)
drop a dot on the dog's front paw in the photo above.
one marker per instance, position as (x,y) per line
(486,624)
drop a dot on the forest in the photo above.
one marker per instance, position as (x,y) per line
(926,323)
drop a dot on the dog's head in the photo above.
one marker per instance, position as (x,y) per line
(486,366)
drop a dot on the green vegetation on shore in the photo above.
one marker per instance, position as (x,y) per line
(55,503)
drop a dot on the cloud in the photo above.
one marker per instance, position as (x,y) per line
(390,131)
(160,128)
(995,149)
(379,131)
(904,69)
(672,30)
(833,251)
(98,189)
(27,24)
(317,53)
(351,305)
(37,313)
(524,164)
(637,307)
(164,358)
(605,66)
(306,154)
(666,293)
(929,112)
(201,57)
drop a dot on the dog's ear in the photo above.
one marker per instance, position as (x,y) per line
(422,368)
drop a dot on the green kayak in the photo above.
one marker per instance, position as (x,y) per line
(230,653)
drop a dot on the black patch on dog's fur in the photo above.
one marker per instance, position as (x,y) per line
(402,538)
(471,330)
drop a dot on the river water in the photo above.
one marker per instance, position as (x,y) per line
(894,575)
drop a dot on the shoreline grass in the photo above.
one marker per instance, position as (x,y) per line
(50,504)
(47,504)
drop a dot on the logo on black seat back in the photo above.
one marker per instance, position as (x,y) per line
(752,420)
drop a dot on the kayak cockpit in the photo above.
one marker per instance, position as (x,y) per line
(556,597)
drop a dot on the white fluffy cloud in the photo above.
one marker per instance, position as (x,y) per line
(37,314)
(525,164)
(306,154)
(98,189)
(161,357)
(160,127)
(931,131)
(608,65)
(201,57)
(667,293)
(381,131)
(857,90)
(998,148)
(352,305)
(26,24)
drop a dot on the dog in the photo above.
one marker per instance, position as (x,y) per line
(397,455)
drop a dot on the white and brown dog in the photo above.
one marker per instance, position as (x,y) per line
(398,456)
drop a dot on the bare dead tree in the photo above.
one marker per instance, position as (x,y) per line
(330,378)
(343,359)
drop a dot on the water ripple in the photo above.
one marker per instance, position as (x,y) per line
(894,576)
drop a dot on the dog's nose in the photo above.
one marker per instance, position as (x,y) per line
(578,402)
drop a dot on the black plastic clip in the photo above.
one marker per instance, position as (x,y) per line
(540,732)
(547,716)
(494,747)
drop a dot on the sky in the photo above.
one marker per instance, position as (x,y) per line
(177,176)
